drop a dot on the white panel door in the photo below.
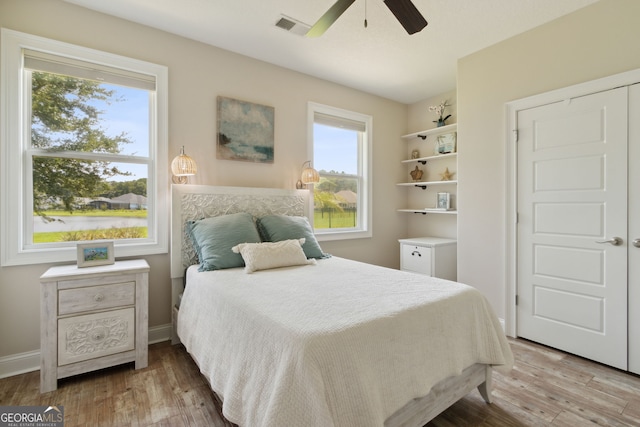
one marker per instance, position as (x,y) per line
(572,196)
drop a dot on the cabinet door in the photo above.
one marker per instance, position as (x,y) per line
(95,335)
(417,259)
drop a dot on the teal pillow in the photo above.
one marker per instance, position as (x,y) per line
(214,237)
(276,228)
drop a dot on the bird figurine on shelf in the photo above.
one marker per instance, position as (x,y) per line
(416,174)
(446,175)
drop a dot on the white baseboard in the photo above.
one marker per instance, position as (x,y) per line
(160,333)
(16,364)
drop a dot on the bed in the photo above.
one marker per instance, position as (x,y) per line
(326,341)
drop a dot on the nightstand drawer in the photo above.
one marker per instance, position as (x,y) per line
(92,298)
(95,335)
(416,259)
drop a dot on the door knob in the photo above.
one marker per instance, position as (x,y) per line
(615,241)
(636,243)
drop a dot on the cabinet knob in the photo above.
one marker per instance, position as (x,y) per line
(98,297)
(416,253)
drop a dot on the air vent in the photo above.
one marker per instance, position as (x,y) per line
(292,25)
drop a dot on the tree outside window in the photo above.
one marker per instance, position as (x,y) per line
(80,196)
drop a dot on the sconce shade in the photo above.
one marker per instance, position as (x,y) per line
(309,175)
(182,167)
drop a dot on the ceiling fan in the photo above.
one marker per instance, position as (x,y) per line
(405,12)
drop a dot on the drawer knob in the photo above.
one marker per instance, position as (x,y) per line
(98,297)
(416,253)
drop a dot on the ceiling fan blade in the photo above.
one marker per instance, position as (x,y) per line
(329,17)
(407,14)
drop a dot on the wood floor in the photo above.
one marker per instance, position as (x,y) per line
(545,388)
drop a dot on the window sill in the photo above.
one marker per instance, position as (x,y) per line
(70,254)
(326,236)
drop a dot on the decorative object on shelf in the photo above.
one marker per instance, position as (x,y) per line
(446,143)
(415,154)
(308,176)
(446,175)
(183,166)
(439,109)
(416,174)
(99,252)
(444,201)
(245,131)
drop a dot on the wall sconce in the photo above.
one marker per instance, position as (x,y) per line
(308,176)
(182,167)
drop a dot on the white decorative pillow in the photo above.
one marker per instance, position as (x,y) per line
(266,255)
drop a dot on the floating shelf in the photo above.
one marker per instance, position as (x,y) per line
(426,183)
(424,160)
(426,211)
(423,134)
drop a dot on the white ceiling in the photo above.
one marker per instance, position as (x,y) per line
(381,59)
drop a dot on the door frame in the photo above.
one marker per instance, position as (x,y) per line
(511,172)
(634,232)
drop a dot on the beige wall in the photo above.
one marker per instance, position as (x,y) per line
(594,42)
(197,74)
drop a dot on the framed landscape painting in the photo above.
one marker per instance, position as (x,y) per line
(245,131)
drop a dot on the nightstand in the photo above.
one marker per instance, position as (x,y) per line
(432,256)
(92,318)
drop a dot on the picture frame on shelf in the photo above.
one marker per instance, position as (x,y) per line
(99,252)
(446,143)
(443,201)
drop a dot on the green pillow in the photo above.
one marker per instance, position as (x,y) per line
(214,237)
(276,228)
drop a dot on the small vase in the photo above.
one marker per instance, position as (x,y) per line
(440,123)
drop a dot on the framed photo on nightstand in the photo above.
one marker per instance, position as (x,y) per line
(99,252)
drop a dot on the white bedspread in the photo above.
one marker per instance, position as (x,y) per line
(339,343)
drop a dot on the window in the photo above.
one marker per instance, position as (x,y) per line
(341,146)
(84,151)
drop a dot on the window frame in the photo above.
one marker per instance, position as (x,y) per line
(15,179)
(365,144)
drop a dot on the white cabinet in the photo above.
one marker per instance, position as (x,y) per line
(92,318)
(432,256)
(426,167)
